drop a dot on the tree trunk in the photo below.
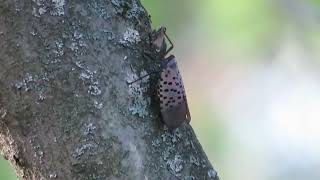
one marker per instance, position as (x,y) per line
(66,111)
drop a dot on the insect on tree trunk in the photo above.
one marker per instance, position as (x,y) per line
(66,111)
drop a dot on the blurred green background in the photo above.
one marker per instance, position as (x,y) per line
(6,172)
(251,71)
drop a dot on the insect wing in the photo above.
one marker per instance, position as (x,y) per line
(173,101)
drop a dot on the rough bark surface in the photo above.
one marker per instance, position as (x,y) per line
(66,111)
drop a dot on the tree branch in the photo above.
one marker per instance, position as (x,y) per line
(66,111)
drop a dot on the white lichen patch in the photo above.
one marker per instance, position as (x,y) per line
(94,90)
(28,78)
(79,64)
(33,33)
(89,129)
(25,84)
(54,7)
(156,143)
(135,11)
(42,10)
(97,105)
(58,9)
(88,145)
(166,153)
(139,103)
(175,138)
(171,138)
(39,8)
(34,12)
(130,36)
(35,83)
(74,46)
(212,174)
(57,51)
(41,97)
(90,78)
(78,42)
(77,35)
(59,48)
(52,176)
(84,148)
(85,76)
(82,43)
(176,164)
(139,108)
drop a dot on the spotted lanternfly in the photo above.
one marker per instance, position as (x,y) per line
(173,101)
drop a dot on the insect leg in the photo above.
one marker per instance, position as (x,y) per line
(146,55)
(140,78)
(171,44)
(149,57)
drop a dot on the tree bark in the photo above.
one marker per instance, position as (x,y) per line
(66,111)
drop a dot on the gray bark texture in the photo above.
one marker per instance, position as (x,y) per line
(66,110)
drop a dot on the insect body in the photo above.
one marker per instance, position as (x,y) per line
(173,101)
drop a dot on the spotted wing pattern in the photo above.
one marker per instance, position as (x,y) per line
(171,92)
(171,89)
